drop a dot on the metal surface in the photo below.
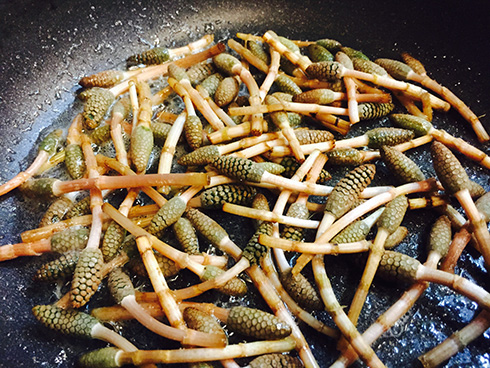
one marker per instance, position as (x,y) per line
(46,46)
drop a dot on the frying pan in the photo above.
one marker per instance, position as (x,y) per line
(46,46)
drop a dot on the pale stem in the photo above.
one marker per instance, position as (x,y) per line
(249,56)
(196,355)
(343,322)
(354,214)
(156,71)
(168,149)
(271,74)
(22,177)
(268,216)
(225,118)
(479,225)
(185,336)
(168,303)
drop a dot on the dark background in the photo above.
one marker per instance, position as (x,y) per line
(46,46)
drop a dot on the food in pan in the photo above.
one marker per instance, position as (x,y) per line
(236,128)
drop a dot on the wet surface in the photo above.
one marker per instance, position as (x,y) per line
(48,45)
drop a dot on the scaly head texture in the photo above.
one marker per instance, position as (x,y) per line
(98,100)
(275,361)
(71,238)
(56,211)
(287,85)
(271,167)
(297,210)
(101,134)
(440,236)
(156,55)
(67,321)
(226,92)
(256,323)
(258,50)
(203,322)
(356,231)
(177,72)
(476,190)
(397,69)
(168,214)
(225,63)
(379,137)
(260,202)
(120,285)
(104,79)
(201,156)
(193,131)
(396,238)
(254,251)
(325,70)
(60,268)
(160,132)
(402,167)
(344,157)
(348,189)
(302,291)
(80,208)
(210,84)
(321,96)
(319,53)
(200,71)
(416,124)
(39,188)
(112,241)
(206,226)
(398,266)
(330,44)
(101,358)
(307,136)
(186,235)
(291,166)
(367,66)
(392,216)
(449,170)
(374,110)
(51,142)
(215,197)
(239,168)
(141,147)
(234,287)
(168,267)
(86,277)
(353,53)
(75,161)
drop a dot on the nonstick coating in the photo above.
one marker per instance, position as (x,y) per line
(46,46)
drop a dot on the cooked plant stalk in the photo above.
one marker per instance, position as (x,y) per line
(350,86)
(372,203)
(122,290)
(402,71)
(112,358)
(47,148)
(421,126)
(54,187)
(456,182)
(69,239)
(388,222)
(439,240)
(327,70)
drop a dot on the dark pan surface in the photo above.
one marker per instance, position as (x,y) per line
(46,46)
